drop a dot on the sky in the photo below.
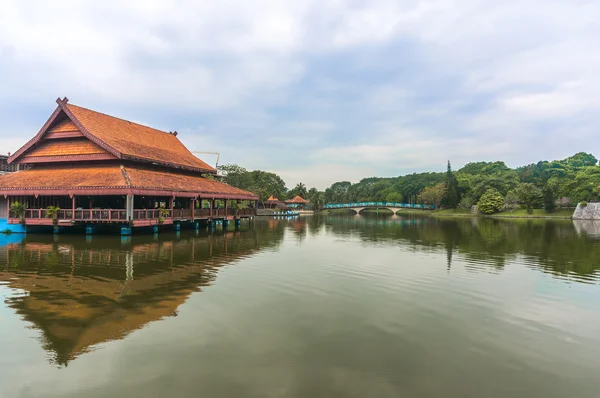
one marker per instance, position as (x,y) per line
(316,91)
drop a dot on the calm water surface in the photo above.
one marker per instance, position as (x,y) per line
(313,307)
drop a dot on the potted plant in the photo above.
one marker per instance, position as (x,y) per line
(18,210)
(162,214)
(52,212)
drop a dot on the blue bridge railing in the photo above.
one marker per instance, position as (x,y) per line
(378,204)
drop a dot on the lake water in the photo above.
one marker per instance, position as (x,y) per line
(312,307)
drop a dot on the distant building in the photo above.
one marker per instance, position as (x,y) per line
(274,203)
(5,167)
(298,203)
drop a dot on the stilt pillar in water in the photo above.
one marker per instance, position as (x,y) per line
(128,207)
(155,229)
(56,230)
(225,224)
(177,226)
(197,225)
(90,229)
(125,231)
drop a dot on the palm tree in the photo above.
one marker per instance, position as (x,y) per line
(316,199)
(300,190)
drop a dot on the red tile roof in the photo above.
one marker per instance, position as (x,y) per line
(272,199)
(121,138)
(79,146)
(153,179)
(65,125)
(110,179)
(64,177)
(297,199)
(136,141)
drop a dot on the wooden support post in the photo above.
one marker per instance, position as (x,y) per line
(212,205)
(7,208)
(73,207)
(129,208)
(193,207)
(226,214)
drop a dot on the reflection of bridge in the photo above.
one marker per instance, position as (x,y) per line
(392,206)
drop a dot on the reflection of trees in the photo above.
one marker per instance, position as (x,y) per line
(552,245)
(83,293)
(315,225)
(299,228)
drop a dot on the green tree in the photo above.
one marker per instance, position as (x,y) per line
(262,183)
(433,195)
(235,175)
(338,192)
(491,201)
(549,200)
(511,200)
(316,199)
(451,197)
(586,185)
(581,159)
(529,195)
(299,189)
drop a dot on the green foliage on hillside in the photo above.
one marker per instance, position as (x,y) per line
(546,184)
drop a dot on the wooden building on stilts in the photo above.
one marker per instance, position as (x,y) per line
(101,171)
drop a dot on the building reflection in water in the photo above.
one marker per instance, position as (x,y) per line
(80,293)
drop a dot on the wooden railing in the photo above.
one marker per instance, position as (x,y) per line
(152,214)
(201,213)
(120,215)
(99,215)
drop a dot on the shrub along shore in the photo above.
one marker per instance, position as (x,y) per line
(565,213)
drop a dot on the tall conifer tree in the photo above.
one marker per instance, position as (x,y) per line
(452,196)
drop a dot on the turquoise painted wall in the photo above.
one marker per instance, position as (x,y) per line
(14,228)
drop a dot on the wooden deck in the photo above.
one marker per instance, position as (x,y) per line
(141,217)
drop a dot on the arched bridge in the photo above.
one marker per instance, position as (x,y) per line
(392,206)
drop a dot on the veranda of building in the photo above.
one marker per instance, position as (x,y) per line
(297,203)
(100,169)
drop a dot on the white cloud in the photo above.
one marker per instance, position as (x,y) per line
(566,100)
(330,86)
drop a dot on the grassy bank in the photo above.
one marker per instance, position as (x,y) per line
(517,213)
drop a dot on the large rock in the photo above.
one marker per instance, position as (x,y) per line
(589,212)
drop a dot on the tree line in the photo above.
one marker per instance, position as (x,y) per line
(492,186)
(266,184)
